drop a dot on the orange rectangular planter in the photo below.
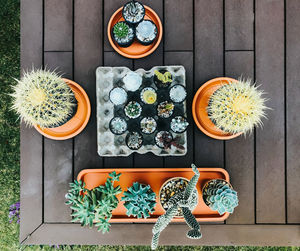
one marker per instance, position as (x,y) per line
(155,177)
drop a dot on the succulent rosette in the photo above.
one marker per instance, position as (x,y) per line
(219,196)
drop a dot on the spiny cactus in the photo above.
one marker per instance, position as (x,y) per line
(121,30)
(183,200)
(163,77)
(43,98)
(140,200)
(237,107)
(94,205)
(219,196)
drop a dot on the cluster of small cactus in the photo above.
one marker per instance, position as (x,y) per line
(94,205)
(163,77)
(237,107)
(140,200)
(183,200)
(121,30)
(43,98)
(219,196)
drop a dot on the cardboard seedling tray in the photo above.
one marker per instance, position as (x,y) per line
(155,177)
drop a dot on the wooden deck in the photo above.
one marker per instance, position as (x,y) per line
(210,38)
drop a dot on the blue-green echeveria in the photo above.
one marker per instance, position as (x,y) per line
(219,196)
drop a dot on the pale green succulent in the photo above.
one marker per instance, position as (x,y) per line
(184,200)
(140,200)
(219,196)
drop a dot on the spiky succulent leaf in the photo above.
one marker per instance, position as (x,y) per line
(121,30)
(43,98)
(237,107)
(140,200)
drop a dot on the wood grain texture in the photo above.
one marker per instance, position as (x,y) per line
(178,25)
(58,25)
(58,156)
(240,151)
(292,105)
(31,159)
(88,55)
(208,65)
(270,152)
(174,234)
(114,59)
(185,59)
(239,18)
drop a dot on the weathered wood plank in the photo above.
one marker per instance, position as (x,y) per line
(240,151)
(239,18)
(270,145)
(185,59)
(114,59)
(208,64)
(31,161)
(110,6)
(58,167)
(88,55)
(58,25)
(174,234)
(293,105)
(178,25)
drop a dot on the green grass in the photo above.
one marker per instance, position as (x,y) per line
(10,141)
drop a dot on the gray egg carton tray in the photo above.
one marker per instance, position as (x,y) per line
(111,145)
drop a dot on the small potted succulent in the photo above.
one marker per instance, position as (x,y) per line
(186,200)
(140,200)
(224,108)
(165,109)
(96,205)
(148,95)
(133,110)
(132,81)
(134,140)
(123,34)
(177,93)
(118,96)
(133,12)
(165,140)
(148,125)
(118,125)
(146,32)
(162,78)
(179,124)
(219,195)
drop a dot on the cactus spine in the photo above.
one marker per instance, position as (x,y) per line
(184,200)
(43,98)
(237,107)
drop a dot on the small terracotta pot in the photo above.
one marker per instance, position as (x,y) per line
(199,109)
(77,123)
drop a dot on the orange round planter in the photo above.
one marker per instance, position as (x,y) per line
(136,50)
(76,124)
(200,104)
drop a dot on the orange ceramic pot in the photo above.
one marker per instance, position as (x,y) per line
(136,50)
(77,123)
(199,109)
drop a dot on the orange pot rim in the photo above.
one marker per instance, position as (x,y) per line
(85,122)
(208,83)
(116,47)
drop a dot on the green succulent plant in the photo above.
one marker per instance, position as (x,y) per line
(121,30)
(43,98)
(94,205)
(163,77)
(237,107)
(219,196)
(140,200)
(184,200)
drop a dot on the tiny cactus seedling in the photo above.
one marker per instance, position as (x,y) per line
(237,107)
(163,77)
(140,200)
(184,200)
(121,30)
(43,98)
(220,196)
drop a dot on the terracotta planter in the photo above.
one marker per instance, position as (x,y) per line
(77,123)
(155,177)
(135,50)
(200,104)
